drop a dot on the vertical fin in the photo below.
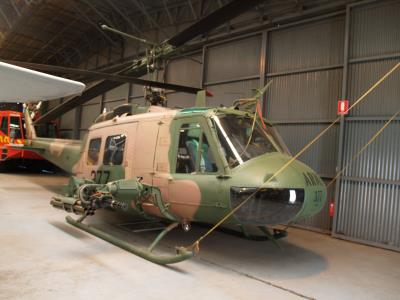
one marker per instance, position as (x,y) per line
(61,152)
(201,99)
(30,129)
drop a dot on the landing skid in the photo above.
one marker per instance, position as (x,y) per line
(276,233)
(268,235)
(181,252)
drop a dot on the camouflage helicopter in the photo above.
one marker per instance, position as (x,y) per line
(181,166)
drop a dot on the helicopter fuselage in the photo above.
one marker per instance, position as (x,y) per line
(201,170)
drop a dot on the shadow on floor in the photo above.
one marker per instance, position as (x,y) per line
(68,229)
(39,174)
(256,258)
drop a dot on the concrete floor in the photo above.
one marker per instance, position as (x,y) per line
(42,257)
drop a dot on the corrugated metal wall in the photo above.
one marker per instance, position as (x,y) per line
(368,207)
(231,69)
(311,70)
(186,71)
(305,64)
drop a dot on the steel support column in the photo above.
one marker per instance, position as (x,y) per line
(78,122)
(203,67)
(342,119)
(263,69)
(130,88)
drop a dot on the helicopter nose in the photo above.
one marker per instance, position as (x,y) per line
(267,206)
(296,193)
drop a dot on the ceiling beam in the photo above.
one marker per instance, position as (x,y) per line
(84,15)
(15,7)
(171,20)
(124,16)
(30,42)
(4,15)
(150,19)
(99,13)
(192,9)
(55,36)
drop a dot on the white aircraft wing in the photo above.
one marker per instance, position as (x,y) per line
(22,85)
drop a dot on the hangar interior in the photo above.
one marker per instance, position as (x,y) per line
(314,53)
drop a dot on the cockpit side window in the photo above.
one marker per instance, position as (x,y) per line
(207,161)
(114,150)
(4,125)
(194,152)
(93,151)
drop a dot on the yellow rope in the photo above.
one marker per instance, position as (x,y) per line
(249,140)
(196,244)
(254,123)
(375,85)
(373,138)
(272,177)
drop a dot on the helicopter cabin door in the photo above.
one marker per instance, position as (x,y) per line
(194,187)
(150,162)
(106,155)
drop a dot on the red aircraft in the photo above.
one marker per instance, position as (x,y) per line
(12,132)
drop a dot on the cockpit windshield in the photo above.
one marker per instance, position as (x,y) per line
(242,138)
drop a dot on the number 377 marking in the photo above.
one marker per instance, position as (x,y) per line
(100,176)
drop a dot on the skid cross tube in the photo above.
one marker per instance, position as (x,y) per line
(181,255)
(161,235)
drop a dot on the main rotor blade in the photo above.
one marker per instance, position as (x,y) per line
(110,77)
(108,82)
(91,93)
(73,102)
(213,20)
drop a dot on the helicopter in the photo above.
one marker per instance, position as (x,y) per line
(181,166)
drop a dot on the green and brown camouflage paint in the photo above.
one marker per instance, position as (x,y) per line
(150,154)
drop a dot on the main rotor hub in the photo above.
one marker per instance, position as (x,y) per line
(155,96)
